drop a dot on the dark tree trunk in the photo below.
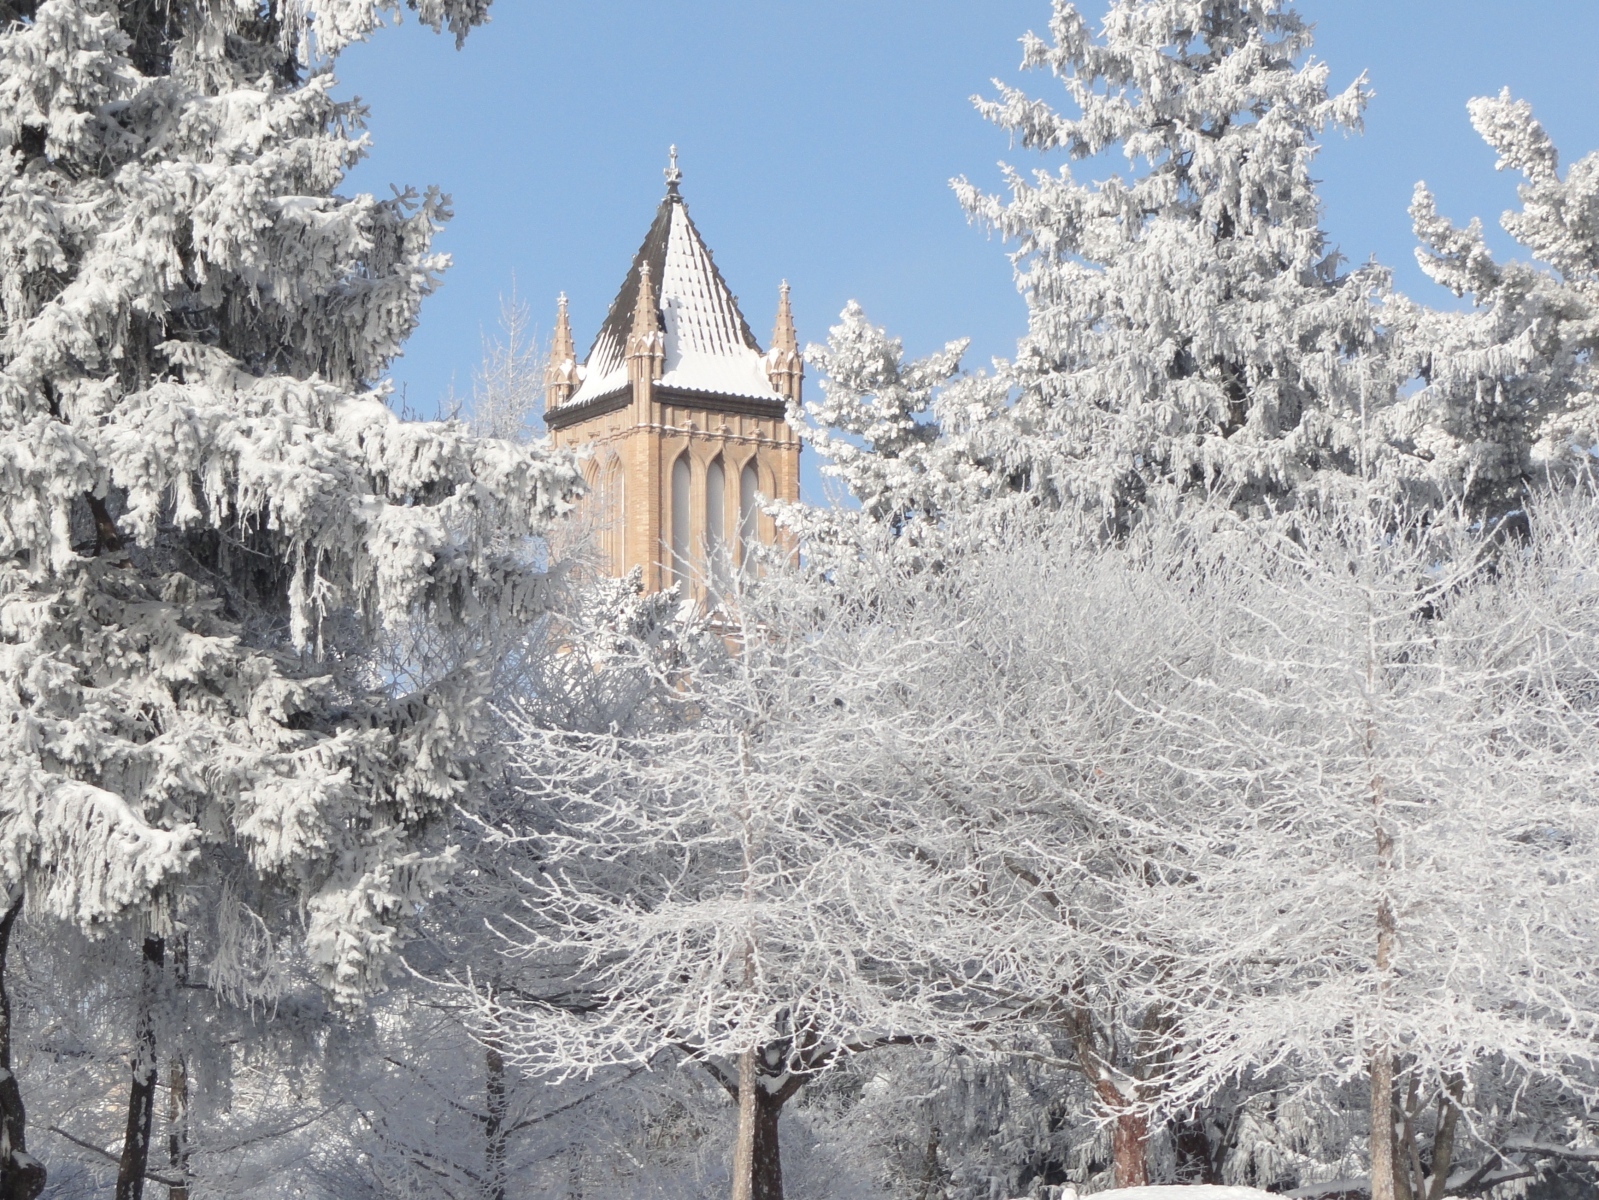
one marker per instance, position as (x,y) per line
(178,1091)
(141,1092)
(1196,1163)
(1129,1145)
(494,1130)
(1443,1144)
(766,1170)
(21,1176)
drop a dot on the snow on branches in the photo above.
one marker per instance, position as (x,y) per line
(210,520)
(1509,387)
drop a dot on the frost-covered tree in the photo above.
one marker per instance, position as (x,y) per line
(1509,386)
(1383,862)
(715,889)
(1189,325)
(877,427)
(210,521)
(916,805)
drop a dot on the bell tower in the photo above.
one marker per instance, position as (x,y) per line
(682,413)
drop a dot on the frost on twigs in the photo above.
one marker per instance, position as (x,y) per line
(213,530)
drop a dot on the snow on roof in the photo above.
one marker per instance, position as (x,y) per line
(709,345)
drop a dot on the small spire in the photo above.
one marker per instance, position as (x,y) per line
(560,373)
(784,365)
(562,348)
(646,349)
(783,335)
(673,175)
(644,322)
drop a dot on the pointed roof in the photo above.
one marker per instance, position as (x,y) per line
(710,349)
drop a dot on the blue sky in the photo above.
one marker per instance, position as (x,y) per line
(817,140)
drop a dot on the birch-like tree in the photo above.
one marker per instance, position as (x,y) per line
(210,521)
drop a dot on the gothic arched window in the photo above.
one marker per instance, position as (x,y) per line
(681,523)
(716,523)
(613,514)
(749,514)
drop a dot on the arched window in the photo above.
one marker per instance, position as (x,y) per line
(613,509)
(681,524)
(716,524)
(749,514)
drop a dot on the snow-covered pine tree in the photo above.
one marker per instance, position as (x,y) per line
(1510,386)
(1189,324)
(209,519)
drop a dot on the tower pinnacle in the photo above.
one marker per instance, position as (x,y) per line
(560,373)
(646,348)
(673,175)
(785,367)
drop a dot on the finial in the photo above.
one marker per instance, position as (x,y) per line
(673,175)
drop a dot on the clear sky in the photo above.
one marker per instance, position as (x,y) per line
(817,138)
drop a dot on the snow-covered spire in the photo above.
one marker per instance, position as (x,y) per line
(560,373)
(784,365)
(708,346)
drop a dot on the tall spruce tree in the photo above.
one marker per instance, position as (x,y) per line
(1190,326)
(210,521)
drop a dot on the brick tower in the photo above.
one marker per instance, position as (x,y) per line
(681,411)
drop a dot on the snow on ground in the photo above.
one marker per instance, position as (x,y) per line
(1198,1191)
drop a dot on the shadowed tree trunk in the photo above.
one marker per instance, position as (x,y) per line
(22,1177)
(1196,1162)
(1129,1143)
(766,1167)
(141,1092)
(178,1090)
(495,1132)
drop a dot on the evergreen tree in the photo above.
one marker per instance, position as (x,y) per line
(1509,395)
(211,525)
(1189,325)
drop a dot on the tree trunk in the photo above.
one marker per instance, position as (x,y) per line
(22,1177)
(494,1130)
(930,1166)
(178,1091)
(744,1142)
(1129,1143)
(766,1169)
(1382,1126)
(141,1092)
(1195,1161)
(1443,1144)
(178,1128)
